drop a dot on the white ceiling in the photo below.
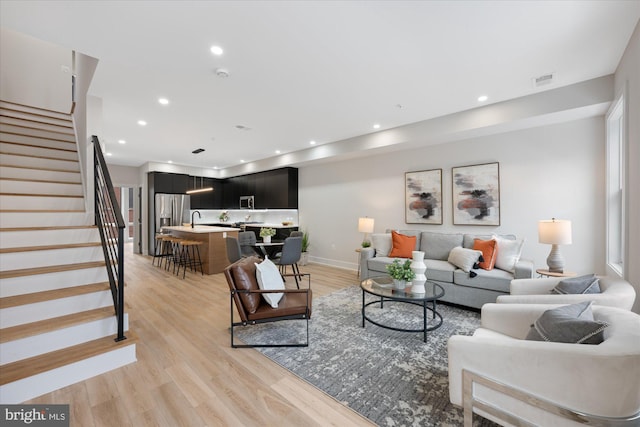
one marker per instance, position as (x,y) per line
(313,70)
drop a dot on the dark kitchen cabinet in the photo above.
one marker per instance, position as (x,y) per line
(172,183)
(209,199)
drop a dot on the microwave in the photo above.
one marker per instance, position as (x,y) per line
(246,202)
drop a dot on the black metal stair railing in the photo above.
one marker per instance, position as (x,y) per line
(111,224)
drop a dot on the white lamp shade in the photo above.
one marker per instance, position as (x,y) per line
(365,225)
(554,232)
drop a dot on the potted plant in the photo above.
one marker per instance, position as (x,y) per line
(224,216)
(401,273)
(304,258)
(266,233)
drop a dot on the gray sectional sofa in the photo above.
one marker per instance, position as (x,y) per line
(460,287)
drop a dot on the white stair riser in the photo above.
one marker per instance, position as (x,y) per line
(9,106)
(39,142)
(44,219)
(43,175)
(37,163)
(39,118)
(50,281)
(12,316)
(15,239)
(35,123)
(37,151)
(37,385)
(36,132)
(34,259)
(30,187)
(24,348)
(42,203)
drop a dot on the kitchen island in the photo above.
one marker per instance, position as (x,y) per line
(213,251)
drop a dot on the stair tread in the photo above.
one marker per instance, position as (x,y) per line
(24,299)
(54,227)
(68,150)
(40,210)
(45,362)
(48,325)
(36,111)
(50,269)
(33,122)
(38,169)
(48,138)
(44,181)
(49,247)
(6,153)
(43,195)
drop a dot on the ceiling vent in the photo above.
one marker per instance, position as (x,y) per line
(544,80)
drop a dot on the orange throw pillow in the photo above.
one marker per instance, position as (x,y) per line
(402,245)
(489,250)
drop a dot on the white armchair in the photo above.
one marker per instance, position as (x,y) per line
(615,292)
(546,383)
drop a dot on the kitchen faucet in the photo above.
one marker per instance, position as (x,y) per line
(195,212)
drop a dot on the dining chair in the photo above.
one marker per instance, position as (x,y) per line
(291,253)
(247,240)
(233,249)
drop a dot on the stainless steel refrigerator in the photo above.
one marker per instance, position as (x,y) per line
(171,209)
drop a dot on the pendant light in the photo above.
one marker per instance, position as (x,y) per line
(202,188)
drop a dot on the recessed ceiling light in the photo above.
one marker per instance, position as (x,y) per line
(241,161)
(142,123)
(376,126)
(312,142)
(482,98)
(163,101)
(217,50)
(122,141)
(278,151)
(170,161)
(109,154)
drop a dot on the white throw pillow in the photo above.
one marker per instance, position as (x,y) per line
(508,253)
(381,243)
(269,278)
(464,258)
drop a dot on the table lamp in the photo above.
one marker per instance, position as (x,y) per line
(555,232)
(365,225)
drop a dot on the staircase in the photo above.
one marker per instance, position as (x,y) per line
(57,321)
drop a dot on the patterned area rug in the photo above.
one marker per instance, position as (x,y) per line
(393,378)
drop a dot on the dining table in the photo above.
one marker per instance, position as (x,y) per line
(269,249)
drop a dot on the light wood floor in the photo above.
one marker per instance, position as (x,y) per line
(187,374)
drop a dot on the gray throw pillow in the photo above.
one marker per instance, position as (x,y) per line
(588,284)
(568,324)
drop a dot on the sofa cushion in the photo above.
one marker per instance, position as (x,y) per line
(508,253)
(578,285)
(494,280)
(439,245)
(244,277)
(438,270)
(463,258)
(402,245)
(572,323)
(379,264)
(381,243)
(489,252)
(269,278)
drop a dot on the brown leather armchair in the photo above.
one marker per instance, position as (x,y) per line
(253,309)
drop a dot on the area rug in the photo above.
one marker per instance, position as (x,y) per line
(392,378)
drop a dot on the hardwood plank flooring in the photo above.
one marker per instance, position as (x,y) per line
(187,374)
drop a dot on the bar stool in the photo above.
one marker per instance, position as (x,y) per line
(162,248)
(173,253)
(191,260)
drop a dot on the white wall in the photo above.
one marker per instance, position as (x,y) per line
(124,176)
(628,75)
(35,72)
(552,171)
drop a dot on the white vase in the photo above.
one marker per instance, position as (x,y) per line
(399,284)
(419,268)
(266,239)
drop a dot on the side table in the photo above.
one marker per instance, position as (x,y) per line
(546,273)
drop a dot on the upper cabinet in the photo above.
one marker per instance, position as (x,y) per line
(172,183)
(274,189)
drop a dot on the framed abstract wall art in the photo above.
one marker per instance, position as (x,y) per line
(423,197)
(476,194)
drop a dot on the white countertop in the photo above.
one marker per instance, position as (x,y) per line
(200,229)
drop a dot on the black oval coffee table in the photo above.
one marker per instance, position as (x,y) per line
(383,288)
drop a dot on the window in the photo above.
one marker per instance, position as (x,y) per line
(615,187)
